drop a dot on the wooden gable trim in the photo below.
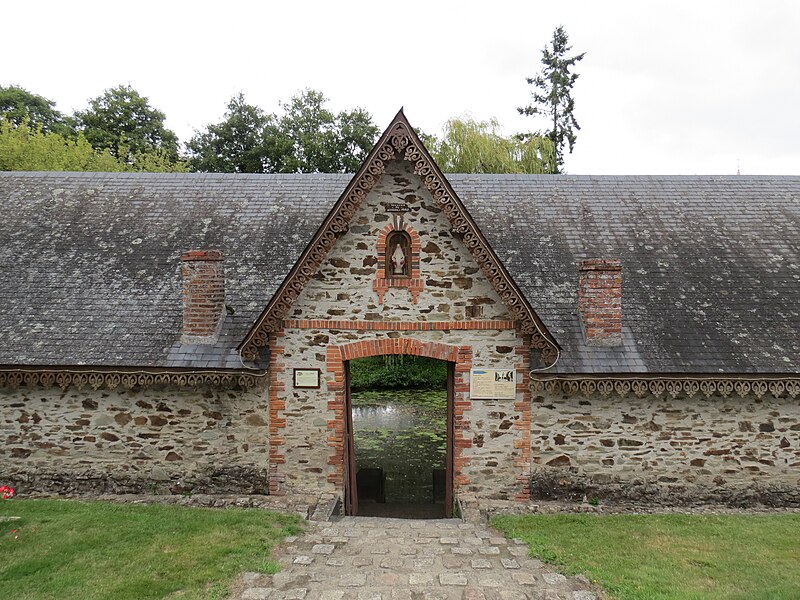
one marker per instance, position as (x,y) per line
(399,141)
(127,377)
(659,385)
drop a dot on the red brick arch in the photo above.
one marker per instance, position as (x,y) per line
(410,346)
(336,357)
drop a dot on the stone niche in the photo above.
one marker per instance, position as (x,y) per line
(736,451)
(124,441)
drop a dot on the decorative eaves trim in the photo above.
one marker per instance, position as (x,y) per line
(114,377)
(399,141)
(661,385)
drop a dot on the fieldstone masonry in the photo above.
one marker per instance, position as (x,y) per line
(667,450)
(352,308)
(134,441)
(280,439)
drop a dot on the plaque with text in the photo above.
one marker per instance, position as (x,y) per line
(493,384)
(306,378)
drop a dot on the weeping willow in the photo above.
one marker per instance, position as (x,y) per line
(470,146)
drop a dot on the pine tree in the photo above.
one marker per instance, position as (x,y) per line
(552,95)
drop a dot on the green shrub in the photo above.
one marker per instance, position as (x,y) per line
(397,371)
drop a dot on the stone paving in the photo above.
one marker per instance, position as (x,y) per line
(364,558)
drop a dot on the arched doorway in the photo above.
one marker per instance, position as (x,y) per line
(399,443)
(342,457)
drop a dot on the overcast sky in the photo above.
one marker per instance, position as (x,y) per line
(666,87)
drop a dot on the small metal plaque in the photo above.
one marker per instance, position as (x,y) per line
(493,384)
(397,207)
(306,378)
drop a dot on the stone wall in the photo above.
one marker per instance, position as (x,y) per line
(452,313)
(737,451)
(491,436)
(454,288)
(285,439)
(125,441)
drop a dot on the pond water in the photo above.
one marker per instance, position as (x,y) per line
(402,432)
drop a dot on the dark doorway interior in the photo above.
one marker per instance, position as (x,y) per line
(399,436)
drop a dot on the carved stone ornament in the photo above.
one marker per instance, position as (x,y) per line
(113,378)
(401,142)
(687,386)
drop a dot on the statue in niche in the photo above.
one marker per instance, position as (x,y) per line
(398,254)
(398,260)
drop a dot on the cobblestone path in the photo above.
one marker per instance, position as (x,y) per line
(399,559)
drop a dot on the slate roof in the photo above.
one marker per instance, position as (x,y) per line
(711,265)
(89,262)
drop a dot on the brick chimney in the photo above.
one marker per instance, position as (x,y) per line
(203,296)
(600,300)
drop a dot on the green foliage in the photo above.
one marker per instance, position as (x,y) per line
(306,138)
(320,141)
(155,161)
(397,371)
(18,106)
(94,550)
(552,95)
(24,148)
(27,148)
(238,144)
(123,122)
(470,146)
(671,557)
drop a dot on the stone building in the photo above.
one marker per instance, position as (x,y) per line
(621,337)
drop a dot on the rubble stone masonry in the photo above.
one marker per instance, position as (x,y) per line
(127,441)
(286,439)
(453,314)
(282,439)
(734,450)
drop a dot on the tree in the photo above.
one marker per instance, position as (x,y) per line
(18,105)
(552,95)
(318,140)
(244,142)
(470,146)
(27,148)
(306,138)
(123,122)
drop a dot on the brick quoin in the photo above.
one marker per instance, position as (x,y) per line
(523,424)
(277,422)
(460,355)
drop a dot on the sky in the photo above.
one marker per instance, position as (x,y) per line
(666,87)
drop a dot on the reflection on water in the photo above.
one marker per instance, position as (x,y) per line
(392,415)
(403,433)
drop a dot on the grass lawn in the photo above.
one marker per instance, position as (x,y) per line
(68,549)
(675,557)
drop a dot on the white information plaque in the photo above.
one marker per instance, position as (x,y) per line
(306,378)
(493,384)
